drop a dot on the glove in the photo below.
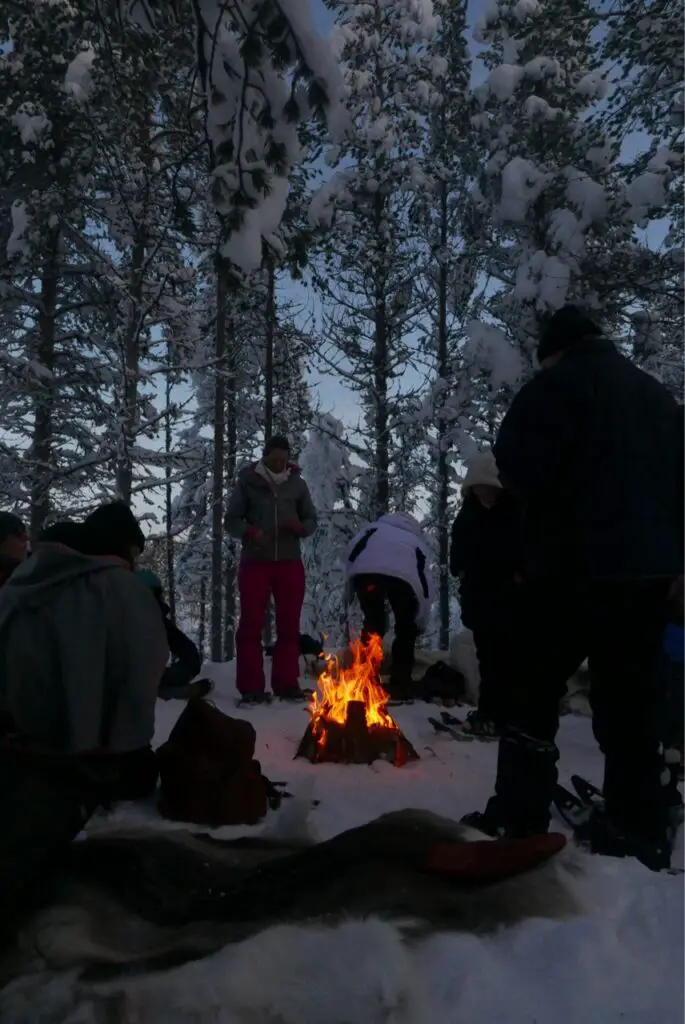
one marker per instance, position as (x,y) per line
(294,526)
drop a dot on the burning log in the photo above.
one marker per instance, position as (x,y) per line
(350,723)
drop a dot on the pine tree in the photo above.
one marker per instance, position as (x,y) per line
(330,476)
(372,255)
(548,184)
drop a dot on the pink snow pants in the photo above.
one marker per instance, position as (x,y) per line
(256,581)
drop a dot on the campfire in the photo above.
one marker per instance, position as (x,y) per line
(350,723)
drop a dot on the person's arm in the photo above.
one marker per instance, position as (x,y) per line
(457,543)
(235,520)
(305,523)
(534,435)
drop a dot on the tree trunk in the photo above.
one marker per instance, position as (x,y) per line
(269,335)
(230,612)
(168,498)
(443,465)
(380,380)
(216,626)
(41,444)
(131,371)
(202,625)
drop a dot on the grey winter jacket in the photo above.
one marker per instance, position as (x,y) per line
(255,504)
(82,651)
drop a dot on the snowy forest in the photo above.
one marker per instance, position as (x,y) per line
(344,222)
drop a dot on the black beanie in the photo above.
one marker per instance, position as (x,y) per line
(569,326)
(10,526)
(113,530)
(277,443)
(72,535)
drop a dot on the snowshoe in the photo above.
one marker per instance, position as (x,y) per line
(249,700)
(584,813)
(452,726)
(480,727)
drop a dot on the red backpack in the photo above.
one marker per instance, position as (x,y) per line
(208,772)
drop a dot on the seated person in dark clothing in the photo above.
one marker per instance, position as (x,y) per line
(83,649)
(388,561)
(485,556)
(13,544)
(179,680)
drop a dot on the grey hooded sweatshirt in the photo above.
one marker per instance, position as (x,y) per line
(82,650)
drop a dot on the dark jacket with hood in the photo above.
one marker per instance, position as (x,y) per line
(284,511)
(591,448)
(82,650)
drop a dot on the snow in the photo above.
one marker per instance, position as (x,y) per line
(77,78)
(620,963)
(522,182)
(504,80)
(494,353)
(17,242)
(644,194)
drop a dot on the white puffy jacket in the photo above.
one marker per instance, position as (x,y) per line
(394,546)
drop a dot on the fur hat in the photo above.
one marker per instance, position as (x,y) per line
(481,469)
(569,326)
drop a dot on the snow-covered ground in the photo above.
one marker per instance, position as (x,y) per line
(621,963)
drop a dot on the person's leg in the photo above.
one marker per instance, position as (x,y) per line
(403,604)
(495,670)
(254,586)
(288,588)
(370,591)
(626,695)
(552,645)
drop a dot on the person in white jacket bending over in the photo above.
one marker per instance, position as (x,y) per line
(387,561)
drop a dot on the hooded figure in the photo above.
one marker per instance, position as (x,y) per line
(485,556)
(387,561)
(270,511)
(82,650)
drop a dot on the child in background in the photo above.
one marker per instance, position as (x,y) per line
(485,556)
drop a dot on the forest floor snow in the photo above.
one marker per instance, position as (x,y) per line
(621,964)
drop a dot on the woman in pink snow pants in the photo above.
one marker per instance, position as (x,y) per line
(270,510)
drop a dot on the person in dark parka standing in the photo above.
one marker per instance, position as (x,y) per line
(486,557)
(591,447)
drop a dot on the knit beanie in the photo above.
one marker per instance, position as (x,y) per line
(72,535)
(113,530)
(481,470)
(569,326)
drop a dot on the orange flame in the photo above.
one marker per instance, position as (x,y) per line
(337,686)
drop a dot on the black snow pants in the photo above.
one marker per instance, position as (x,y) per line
(373,591)
(619,627)
(493,619)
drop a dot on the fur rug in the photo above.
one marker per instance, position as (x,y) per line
(181,929)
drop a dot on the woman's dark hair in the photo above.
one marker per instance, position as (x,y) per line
(277,443)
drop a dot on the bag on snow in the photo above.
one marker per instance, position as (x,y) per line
(208,772)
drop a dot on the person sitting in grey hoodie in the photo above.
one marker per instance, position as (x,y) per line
(82,648)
